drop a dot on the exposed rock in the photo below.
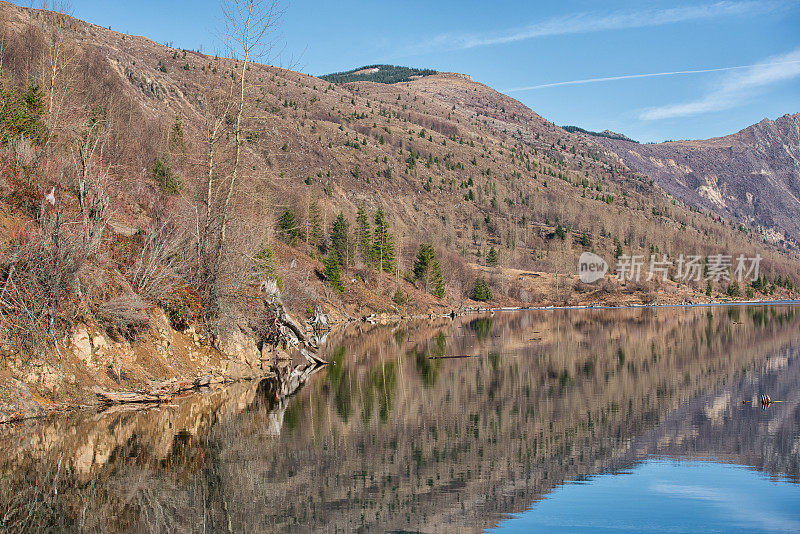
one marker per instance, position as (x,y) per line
(236,370)
(99,343)
(81,344)
(16,401)
(121,228)
(236,345)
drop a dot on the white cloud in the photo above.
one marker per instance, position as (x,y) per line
(594,22)
(633,77)
(745,509)
(734,89)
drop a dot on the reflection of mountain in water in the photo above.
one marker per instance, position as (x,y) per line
(720,427)
(396,435)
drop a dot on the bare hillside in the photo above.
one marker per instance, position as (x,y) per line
(752,176)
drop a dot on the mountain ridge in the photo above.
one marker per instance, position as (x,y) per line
(751,176)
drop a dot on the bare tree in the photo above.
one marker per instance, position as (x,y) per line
(220,103)
(250,34)
(57,59)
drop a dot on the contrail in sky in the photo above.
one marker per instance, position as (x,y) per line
(647,75)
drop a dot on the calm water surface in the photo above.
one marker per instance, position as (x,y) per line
(585,420)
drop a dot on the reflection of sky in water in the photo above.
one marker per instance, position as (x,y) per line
(667,496)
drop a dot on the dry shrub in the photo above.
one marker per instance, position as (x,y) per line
(459,276)
(581,287)
(39,283)
(645,286)
(609,285)
(125,315)
(23,194)
(296,287)
(183,306)
(163,265)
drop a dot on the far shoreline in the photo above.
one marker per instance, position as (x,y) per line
(633,306)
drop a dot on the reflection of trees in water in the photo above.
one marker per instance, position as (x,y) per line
(428,360)
(389,437)
(482,326)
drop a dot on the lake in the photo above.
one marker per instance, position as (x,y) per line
(558,420)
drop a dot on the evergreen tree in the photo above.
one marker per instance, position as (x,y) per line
(428,270)
(560,233)
(383,243)
(363,234)
(21,115)
(340,239)
(333,271)
(177,141)
(314,233)
(734,290)
(491,258)
(481,291)
(167,179)
(287,224)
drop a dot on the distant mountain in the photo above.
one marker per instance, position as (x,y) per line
(605,133)
(378,74)
(752,176)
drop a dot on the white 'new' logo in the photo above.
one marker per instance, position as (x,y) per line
(591,267)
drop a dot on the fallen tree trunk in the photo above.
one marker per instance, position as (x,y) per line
(129,397)
(161,393)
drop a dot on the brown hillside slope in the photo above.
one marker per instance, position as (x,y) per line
(451,160)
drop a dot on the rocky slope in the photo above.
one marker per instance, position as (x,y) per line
(752,176)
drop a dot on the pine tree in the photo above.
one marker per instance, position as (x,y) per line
(481,291)
(287,224)
(363,235)
(177,141)
(314,233)
(734,290)
(428,270)
(383,243)
(492,259)
(21,115)
(340,239)
(333,272)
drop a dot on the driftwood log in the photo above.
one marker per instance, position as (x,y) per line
(292,333)
(129,397)
(160,393)
(289,381)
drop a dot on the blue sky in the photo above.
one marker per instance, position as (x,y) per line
(517,46)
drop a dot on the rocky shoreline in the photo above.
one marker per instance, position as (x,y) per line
(237,359)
